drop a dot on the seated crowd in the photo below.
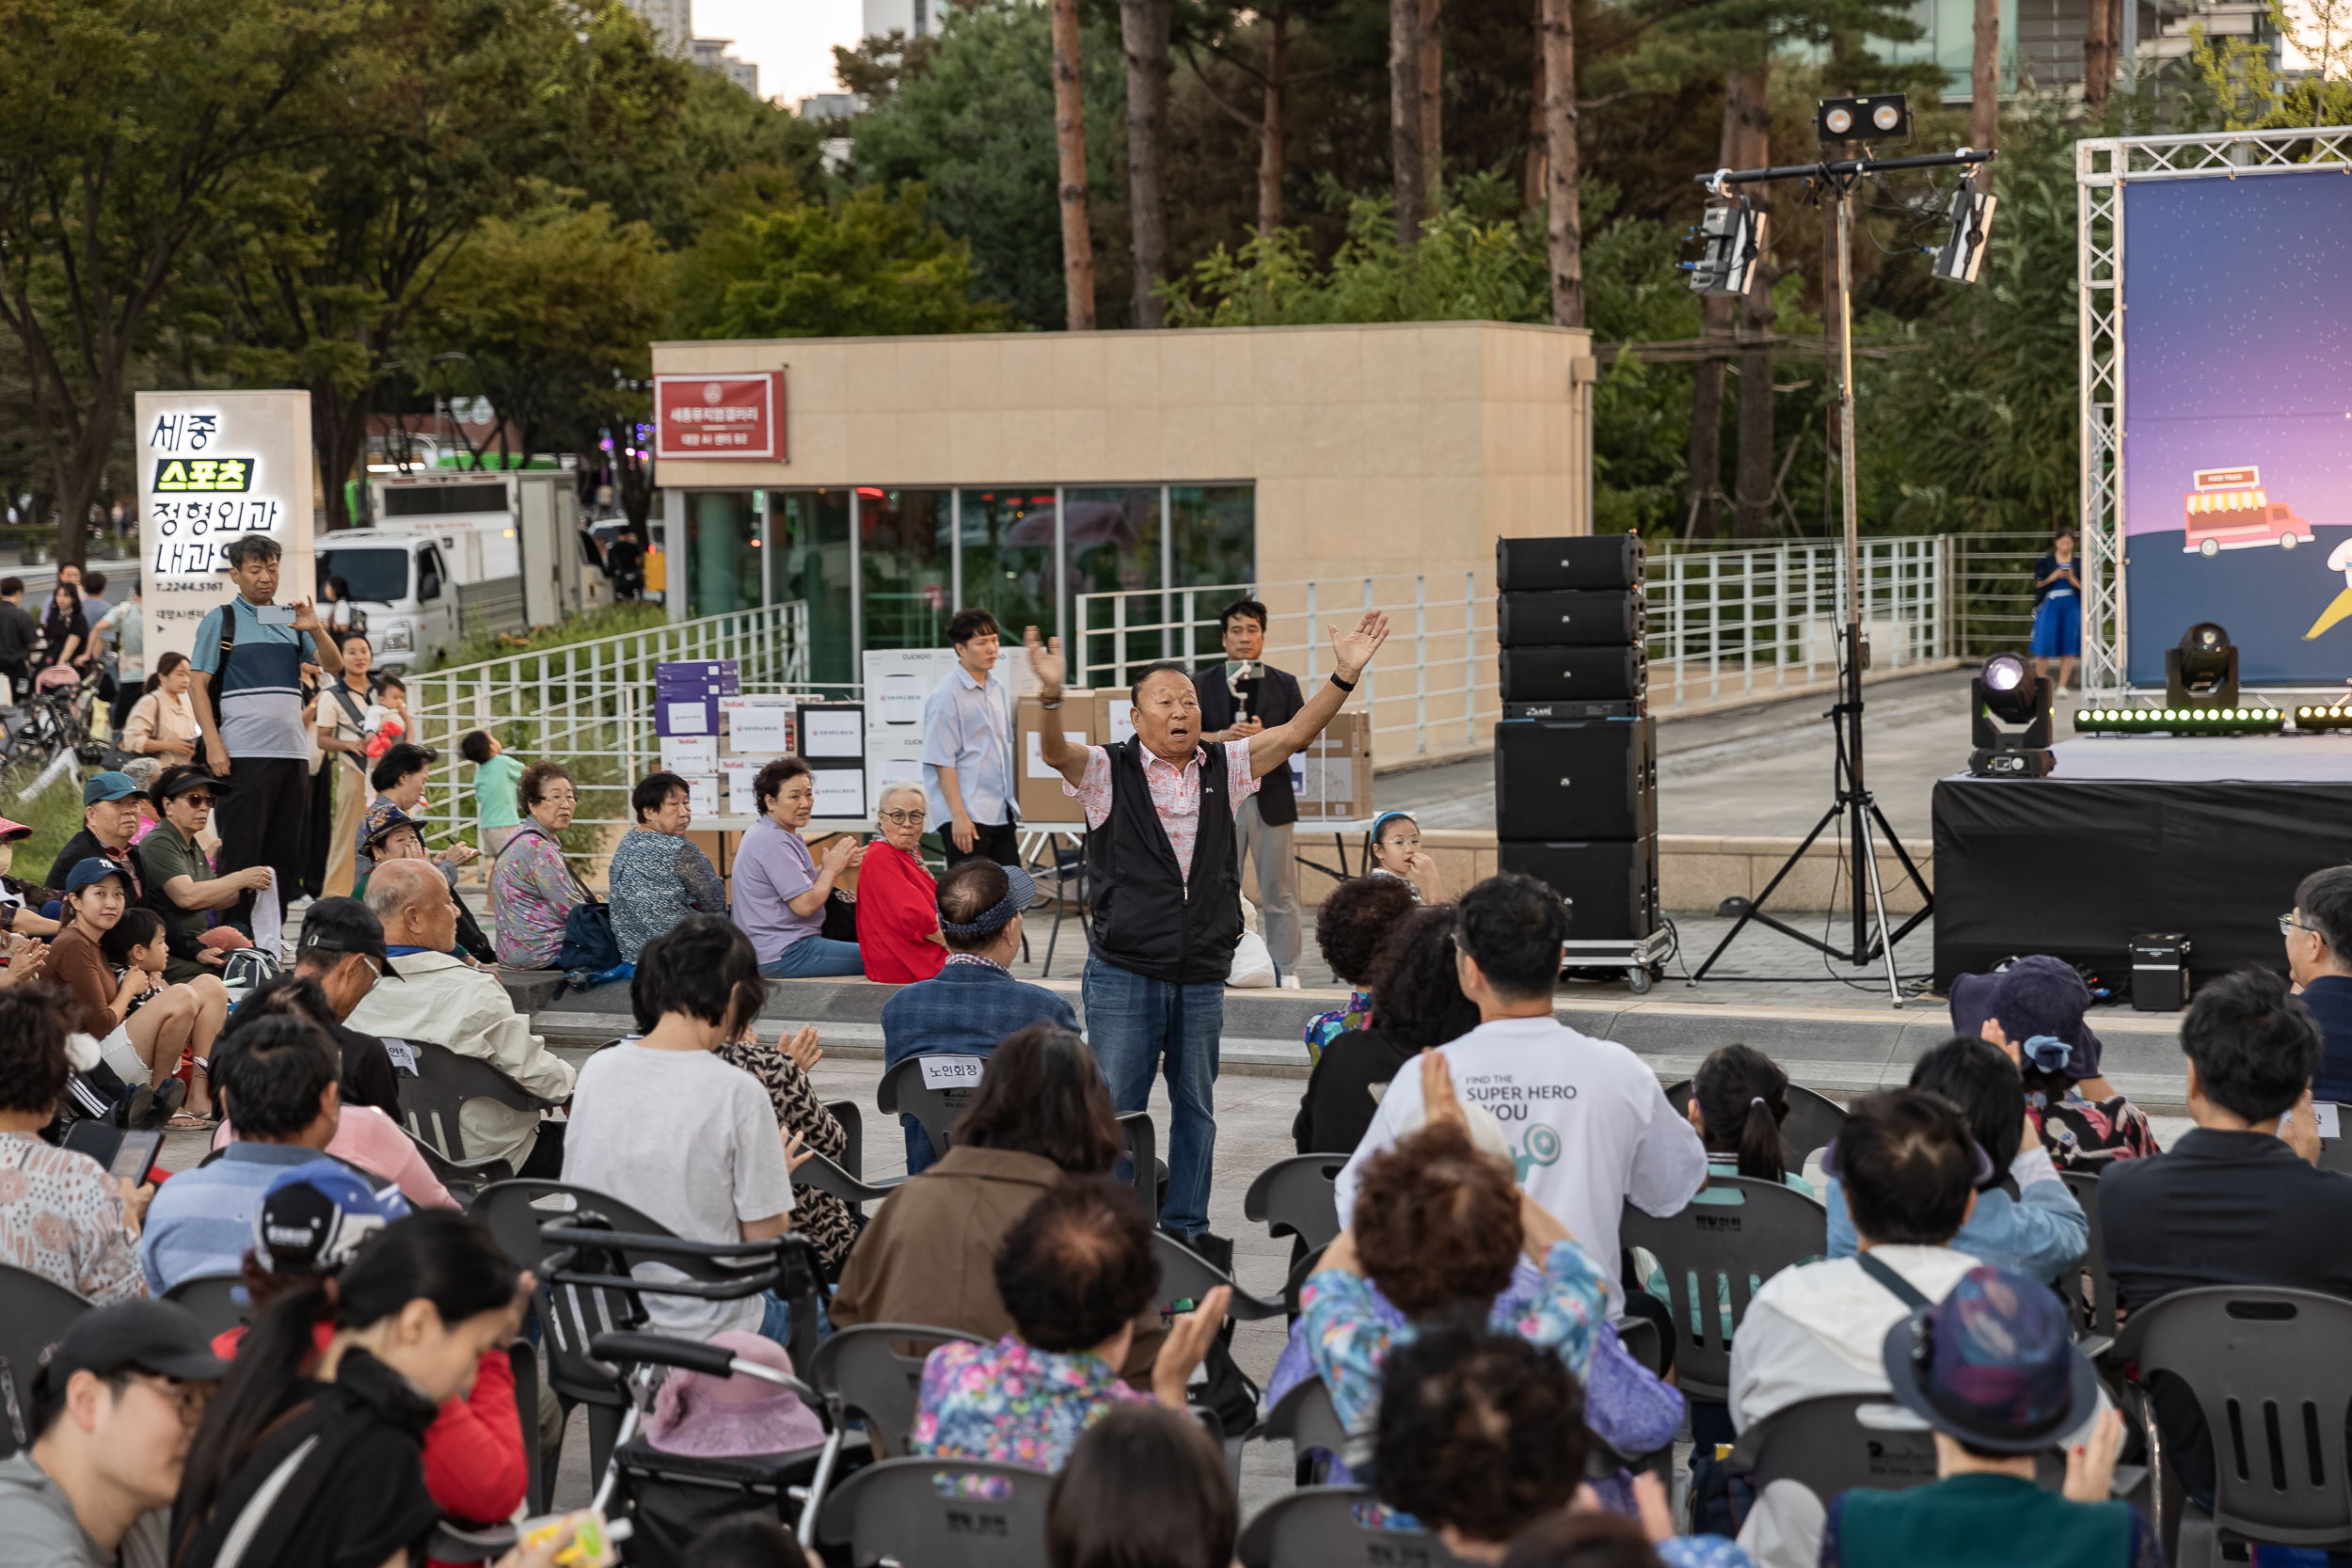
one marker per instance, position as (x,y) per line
(1471,1324)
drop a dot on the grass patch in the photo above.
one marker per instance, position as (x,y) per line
(610,621)
(55,816)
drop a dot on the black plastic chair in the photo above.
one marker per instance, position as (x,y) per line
(35,1313)
(208,1299)
(1143,1147)
(852,1122)
(2096,1323)
(1186,1276)
(2336,1153)
(465,1178)
(1813,1121)
(1297,1196)
(940,1514)
(1305,1417)
(1067,882)
(1769,1229)
(2270,1374)
(1316,1526)
(901,1092)
(1836,1444)
(862,1371)
(522,1359)
(430,1102)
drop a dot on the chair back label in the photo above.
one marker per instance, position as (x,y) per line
(952,1072)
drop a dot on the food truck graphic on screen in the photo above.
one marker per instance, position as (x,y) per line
(2230,511)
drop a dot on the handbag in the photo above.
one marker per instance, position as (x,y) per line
(589,944)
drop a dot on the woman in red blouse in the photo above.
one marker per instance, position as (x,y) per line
(897,902)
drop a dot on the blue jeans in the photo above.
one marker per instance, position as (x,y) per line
(811,956)
(775,1323)
(1135,1024)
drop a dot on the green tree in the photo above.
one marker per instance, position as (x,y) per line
(556,309)
(130,126)
(977,129)
(444,119)
(870,265)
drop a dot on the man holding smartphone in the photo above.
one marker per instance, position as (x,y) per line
(248,696)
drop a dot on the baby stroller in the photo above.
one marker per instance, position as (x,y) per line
(597,1350)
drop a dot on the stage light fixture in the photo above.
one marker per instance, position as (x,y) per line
(1972,221)
(1731,239)
(2204,669)
(2317,720)
(2005,692)
(2192,720)
(1882,116)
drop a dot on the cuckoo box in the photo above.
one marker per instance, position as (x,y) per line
(1039,787)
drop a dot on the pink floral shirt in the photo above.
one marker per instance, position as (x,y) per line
(1175,793)
(1012,1403)
(61,1218)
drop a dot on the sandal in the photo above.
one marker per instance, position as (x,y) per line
(189,1121)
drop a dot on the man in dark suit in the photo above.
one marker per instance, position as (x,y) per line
(2241,1200)
(2319,960)
(1239,697)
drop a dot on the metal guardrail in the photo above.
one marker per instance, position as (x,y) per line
(590,706)
(1724,625)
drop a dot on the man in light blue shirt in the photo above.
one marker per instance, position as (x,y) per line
(277,1076)
(967,749)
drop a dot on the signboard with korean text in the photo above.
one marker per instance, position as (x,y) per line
(214,466)
(720,416)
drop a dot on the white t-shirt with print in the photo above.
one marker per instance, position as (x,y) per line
(1588,1125)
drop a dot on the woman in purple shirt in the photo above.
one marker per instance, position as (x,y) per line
(780,889)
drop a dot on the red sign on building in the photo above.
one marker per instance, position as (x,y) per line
(718,415)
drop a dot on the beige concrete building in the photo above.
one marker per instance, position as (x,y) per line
(1102,482)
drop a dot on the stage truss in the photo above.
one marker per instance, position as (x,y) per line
(2101,169)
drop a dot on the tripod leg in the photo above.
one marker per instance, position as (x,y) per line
(1878,903)
(1753,910)
(1927,894)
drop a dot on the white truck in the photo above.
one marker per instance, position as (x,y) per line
(456,554)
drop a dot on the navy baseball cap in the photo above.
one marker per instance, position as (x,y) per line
(108,786)
(95,869)
(313,1218)
(1994,1364)
(2035,995)
(159,1336)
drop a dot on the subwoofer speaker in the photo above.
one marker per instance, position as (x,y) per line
(1599,560)
(1612,888)
(1575,674)
(1571,618)
(1576,779)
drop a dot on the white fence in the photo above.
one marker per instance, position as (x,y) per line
(1725,625)
(590,706)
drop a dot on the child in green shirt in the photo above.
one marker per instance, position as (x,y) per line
(498,807)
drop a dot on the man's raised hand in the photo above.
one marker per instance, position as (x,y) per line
(1354,650)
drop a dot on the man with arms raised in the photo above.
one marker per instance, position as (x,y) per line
(1589,1128)
(1165,882)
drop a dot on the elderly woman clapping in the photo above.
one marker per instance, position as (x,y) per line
(897,902)
(781,891)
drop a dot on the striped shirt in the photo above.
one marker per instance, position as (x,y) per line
(261,691)
(202,1221)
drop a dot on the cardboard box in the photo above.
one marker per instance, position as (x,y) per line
(1334,775)
(700,677)
(690,715)
(756,726)
(736,775)
(703,790)
(1114,715)
(689,753)
(891,759)
(1040,787)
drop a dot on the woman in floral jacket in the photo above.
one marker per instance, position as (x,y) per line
(531,890)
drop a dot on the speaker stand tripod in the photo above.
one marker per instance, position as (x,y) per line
(1859,809)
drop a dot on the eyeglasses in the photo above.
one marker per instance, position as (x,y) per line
(904,819)
(190,1397)
(2288,924)
(201,802)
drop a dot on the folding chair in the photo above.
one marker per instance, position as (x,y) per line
(1297,1196)
(1318,1526)
(1186,1276)
(1836,1444)
(1813,1121)
(2270,1374)
(1068,882)
(35,1313)
(940,1514)
(465,1178)
(430,1102)
(1142,1156)
(2095,1323)
(862,1371)
(1745,1243)
(208,1299)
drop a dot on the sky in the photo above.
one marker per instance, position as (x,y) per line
(790,40)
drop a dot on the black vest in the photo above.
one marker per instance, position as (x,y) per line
(1148,920)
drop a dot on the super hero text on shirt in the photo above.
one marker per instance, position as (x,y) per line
(1507,1100)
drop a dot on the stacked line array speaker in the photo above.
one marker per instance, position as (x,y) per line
(1576,754)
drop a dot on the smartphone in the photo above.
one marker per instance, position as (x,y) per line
(275,615)
(134,1156)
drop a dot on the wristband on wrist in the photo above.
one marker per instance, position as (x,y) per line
(1049,706)
(1343,685)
